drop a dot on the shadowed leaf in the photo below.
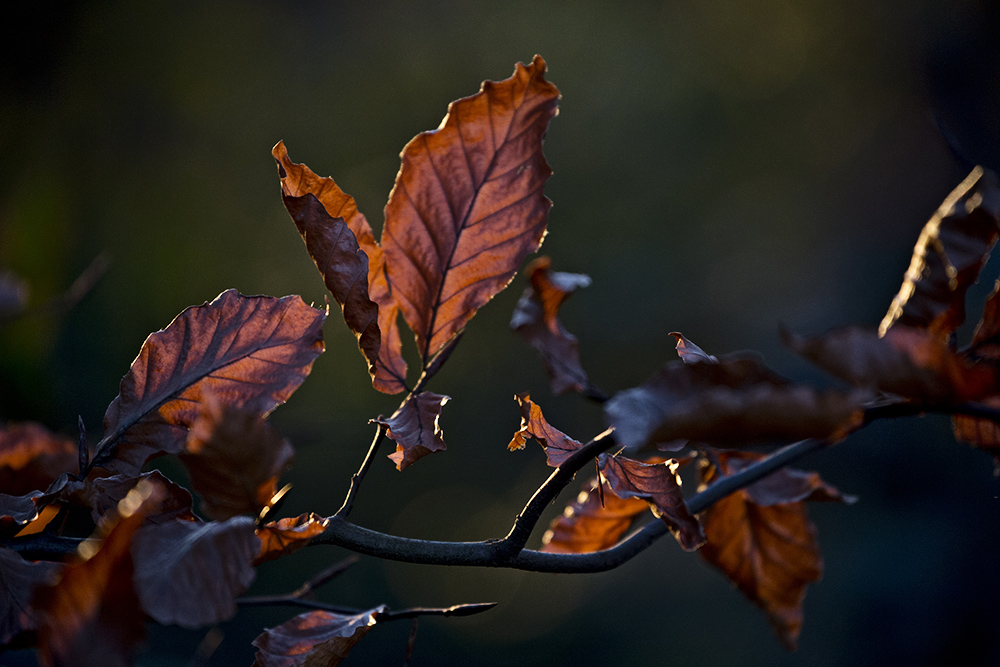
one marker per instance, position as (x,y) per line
(234,458)
(906,361)
(557,445)
(190,574)
(588,525)
(32,457)
(659,485)
(536,320)
(282,537)
(691,353)
(297,180)
(250,352)
(16,512)
(313,639)
(18,580)
(468,205)
(737,400)
(947,258)
(414,428)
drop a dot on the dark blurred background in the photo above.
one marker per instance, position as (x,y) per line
(721,168)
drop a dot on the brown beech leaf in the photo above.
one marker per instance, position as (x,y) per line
(32,457)
(768,551)
(557,445)
(908,362)
(250,352)
(536,320)
(691,353)
(588,525)
(91,615)
(659,485)
(18,580)
(313,639)
(234,458)
(737,400)
(468,205)
(951,250)
(282,537)
(190,574)
(414,428)
(297,180)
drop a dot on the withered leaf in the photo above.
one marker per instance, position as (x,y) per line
(32,457)
(536,320)
(659,485)
(190,574)
(947,259)
(909,362)
(250,352)
(18,580)
(414,428)
(16,512)
(768,551)
(557,445)
(467,206)
(297,180)
(737,400)
(282,537)
(91,616)
(234,458)
(313,639)
(691,353)
(588,525)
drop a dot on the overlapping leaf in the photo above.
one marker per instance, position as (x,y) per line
(737,400)
(234,458)
(557,445)
(250,352)
(190,574)
(536,319)
(468,205)
(659,485)
(313,639)
(32,457)
(588,524)
(415,429)
(18,580)
(282,537)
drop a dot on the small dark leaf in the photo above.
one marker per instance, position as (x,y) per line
(32,457)
(414,428)
(18,580)
(588,525)
(557,445)
(17,511)
(282,537)
(313,639)
(691,353)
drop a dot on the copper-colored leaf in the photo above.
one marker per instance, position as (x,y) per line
(414,428)
(234,458)
(691,353)
(91,616)
(557,445)
(536,319)
(909,362)
(737,400)
(588,525)
(468,205)
(769,552)
(18,580)
(947,258)
(660,486)
(313,639)
(282,537)
(31,457)
(251,352)
(190,574)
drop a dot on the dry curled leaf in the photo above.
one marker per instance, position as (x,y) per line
(282,537)
(16,512)
(588,524)
(32,457)
(414,428)
(536,320)
(313,639)
(250,352)
(18,580)
(691,353)
(557,445)
(467,206)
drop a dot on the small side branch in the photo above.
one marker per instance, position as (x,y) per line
(359,476)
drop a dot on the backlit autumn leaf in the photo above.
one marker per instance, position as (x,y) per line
(32,457)
(414,428)
(536,320)
(951,250)
(282,537)
(468,205)
(18,580)
(250,352)
(737,400)
(557,445)
(689,352)
(234,458)
(659,485)
(588,525)
(313,639)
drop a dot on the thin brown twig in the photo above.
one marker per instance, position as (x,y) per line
(359,476)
